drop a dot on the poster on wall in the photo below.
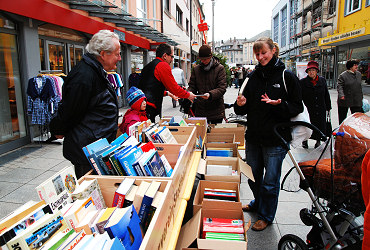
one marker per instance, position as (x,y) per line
(301,69)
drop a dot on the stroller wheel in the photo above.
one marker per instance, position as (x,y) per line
(291,241)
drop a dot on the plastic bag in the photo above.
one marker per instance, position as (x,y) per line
(365,105)
(300,133)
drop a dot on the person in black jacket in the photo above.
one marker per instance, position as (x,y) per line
(316,97)
(267,103)
(89,109)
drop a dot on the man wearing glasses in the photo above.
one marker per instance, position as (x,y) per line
(156,78)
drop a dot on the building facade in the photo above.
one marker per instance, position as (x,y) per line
(297,27)
(351,37)
(48,36)
(197,37)
(233,50)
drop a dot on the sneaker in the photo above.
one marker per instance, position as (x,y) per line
(305,144)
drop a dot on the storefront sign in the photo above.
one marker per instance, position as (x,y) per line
(121,35)
(342,36)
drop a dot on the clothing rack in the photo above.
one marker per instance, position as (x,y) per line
(44,128)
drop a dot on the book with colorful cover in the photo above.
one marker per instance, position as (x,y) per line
(90,188)
(57,190)
(153,207)
(129,158)
(58,239)
(147,146)
(21,225)
(96,163)
(222,225)
(120,139)
(167,166)
(86,222)
(219,152)
(155,165)
(72,241)
(38,233)
(224,236)
(99,226)
(78,211)
(147,201)
(229,195)
(137,165)
(91,149)
(106,158)
(122,191)
(166,136)
(101,157)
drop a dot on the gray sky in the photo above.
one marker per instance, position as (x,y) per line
(238,18)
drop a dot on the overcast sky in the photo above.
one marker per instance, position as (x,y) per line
(238,18)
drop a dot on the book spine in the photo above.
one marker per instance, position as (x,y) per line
(117,166)
(138,169)
(109,165)
(103,166)
(147,170)
(149,217)
(100,226)
(95,165)
(127,167)
(144,208)
(75,241)
(127,203)
(71,220)
(118,200)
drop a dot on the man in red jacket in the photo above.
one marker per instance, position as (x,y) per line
(156,77)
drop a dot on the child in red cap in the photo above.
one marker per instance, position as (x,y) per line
(137,100)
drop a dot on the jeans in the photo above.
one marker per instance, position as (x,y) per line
(266,163)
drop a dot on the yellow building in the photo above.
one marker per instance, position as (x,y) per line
(352,36)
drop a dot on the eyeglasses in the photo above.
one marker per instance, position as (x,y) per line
(172,56)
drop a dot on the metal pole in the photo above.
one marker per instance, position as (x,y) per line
(213,26)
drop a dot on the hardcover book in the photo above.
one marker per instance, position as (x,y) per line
(147,201)
(128,159)
(155,165)
(90,188)
(122,191)
(129,199)
(153,207)
(144,185)
(56,190)
(38,233)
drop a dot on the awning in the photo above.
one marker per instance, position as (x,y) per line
(351,36)
(112,14)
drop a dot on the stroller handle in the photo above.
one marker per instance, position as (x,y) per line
(293,124)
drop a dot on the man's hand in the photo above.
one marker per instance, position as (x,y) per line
(207,95)
(266,99)
(172,96)
(191,96)
(241,100)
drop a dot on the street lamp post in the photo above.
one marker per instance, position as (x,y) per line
(213,26)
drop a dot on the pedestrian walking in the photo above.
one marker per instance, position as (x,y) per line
(89,110)
(267,103)
(209,79)
(349,91)
(315,96)
(156,77)
(178,74)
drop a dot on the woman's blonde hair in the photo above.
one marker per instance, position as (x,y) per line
(258,44)
(277,49)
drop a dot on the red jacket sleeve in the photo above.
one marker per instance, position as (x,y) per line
(163,74)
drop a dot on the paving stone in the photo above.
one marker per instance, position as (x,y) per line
(267,239)
(8,187)
(299,230)
(43,177)
(7,208)
(20,175)
(21,195)
(288,212)
(42,163)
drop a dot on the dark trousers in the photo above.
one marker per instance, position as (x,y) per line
(151,113)
(342,112)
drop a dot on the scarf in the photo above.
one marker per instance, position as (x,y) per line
(314,81)
(209,66)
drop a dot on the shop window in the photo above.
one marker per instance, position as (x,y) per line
(332,7)
(283,26)
(367,3)
(352,6)
(55,55)
(276,28)
(6,23)
(75,54)
(166,4)
(12,117)
(178,15)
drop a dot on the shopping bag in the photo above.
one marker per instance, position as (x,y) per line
(365,105)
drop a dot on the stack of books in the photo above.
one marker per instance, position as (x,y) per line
(157,134)
(136,129)
(220,194)
(125,156)
(223,229)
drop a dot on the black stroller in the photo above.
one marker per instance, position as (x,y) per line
(335,214)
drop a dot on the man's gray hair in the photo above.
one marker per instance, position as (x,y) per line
(101,41)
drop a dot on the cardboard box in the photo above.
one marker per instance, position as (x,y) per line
(236,163)
(199,194)
(220,138)
(200,124)
(238,131)
(192,230)
(232,146)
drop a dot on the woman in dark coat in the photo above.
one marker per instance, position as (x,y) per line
(316,97)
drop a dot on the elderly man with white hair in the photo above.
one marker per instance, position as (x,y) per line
(89,109)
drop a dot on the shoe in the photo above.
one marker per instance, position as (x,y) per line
(247,208)
(260,225)
(317,144)
(305,144)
